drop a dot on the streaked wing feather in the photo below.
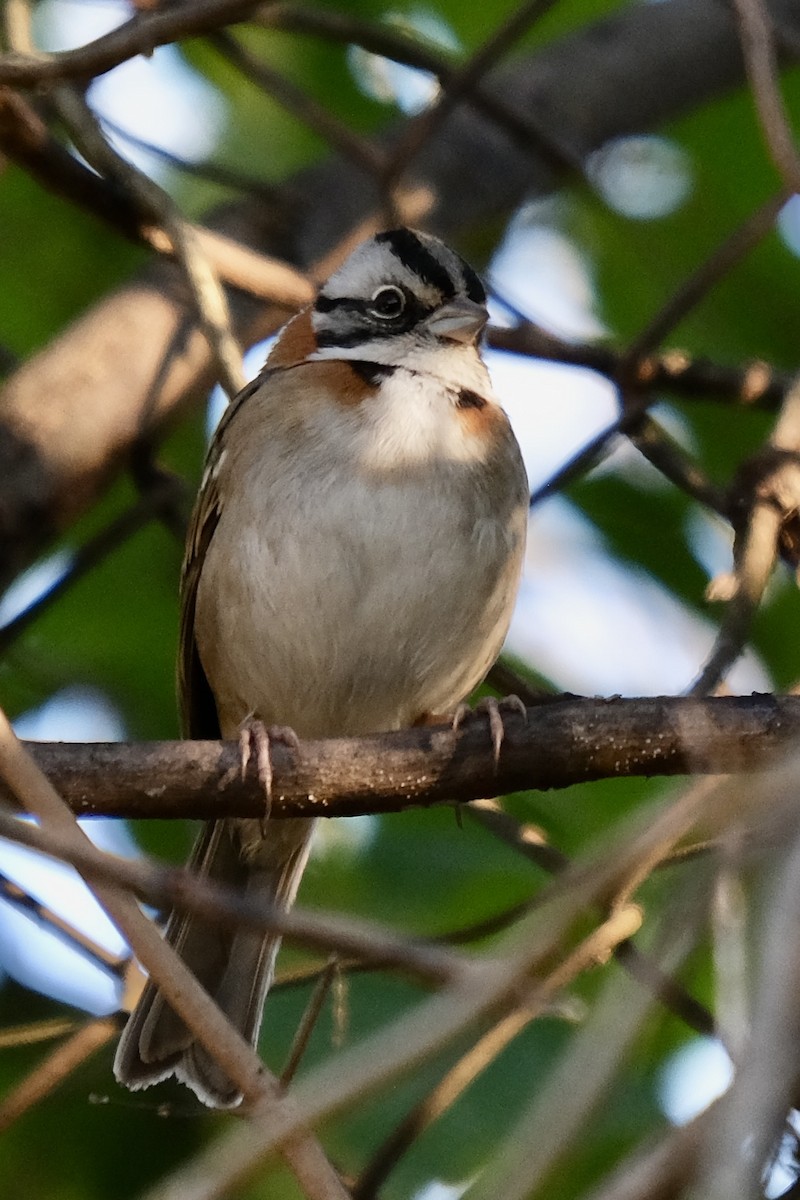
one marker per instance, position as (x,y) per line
(197,706)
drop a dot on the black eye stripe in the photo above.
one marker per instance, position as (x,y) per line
(345,339)
(407,247)
(326,304)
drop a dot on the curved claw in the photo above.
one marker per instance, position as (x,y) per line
(493,710)
(255,736)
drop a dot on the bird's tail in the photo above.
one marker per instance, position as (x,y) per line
(235,966)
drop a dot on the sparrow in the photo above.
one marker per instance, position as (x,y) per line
(351,567)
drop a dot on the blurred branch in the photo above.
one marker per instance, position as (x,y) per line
(140,35)
(361,152)
(757,385)
(761,62)
(390,41)
(764,508)
(661,1171)
(540,1139)
(26,139)
(520,970)
(442,1097)
(55,1068)
(175,887)
(157,206)
(669,991)
(748,1120)
(564,742)
(459,84)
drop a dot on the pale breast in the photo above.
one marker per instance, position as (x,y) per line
(339,595)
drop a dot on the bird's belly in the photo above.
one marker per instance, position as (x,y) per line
(356,621)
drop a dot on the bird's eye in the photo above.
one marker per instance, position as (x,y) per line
(387,302)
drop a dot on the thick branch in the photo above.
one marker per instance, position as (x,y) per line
(567,741)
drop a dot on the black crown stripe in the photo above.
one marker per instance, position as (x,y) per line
(406,246)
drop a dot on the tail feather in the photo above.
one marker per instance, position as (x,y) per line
(234,966)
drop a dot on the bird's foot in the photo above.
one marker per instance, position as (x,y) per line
(493,709)
(256,741)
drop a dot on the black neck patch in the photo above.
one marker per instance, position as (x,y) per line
(371,372)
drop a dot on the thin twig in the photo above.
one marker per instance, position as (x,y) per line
(140,35)
(22,900)
(56,1067)
(308,1022)
(208,295)
(273,194)
(173,887)
(761,63)
(734,247)
(93,552)
(460,84)
(315,116)
(771,498)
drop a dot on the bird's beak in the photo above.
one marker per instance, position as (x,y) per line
(459,320)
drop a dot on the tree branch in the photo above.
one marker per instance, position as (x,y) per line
(563,742)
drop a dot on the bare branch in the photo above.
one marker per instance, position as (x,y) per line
(173,887)
(207,293)
(140,35)
(56,1067)
(755,385)
(761,61)
(765,505)
(566,741)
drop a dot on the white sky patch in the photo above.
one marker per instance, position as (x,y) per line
(74,714)
(641,176)
(437,1190)
(789,224)
(39,959)
(596,625)
(391,82)
(31,584)
(30,953)
(697,1074)
(159,99)
(544,274)
(711,541)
